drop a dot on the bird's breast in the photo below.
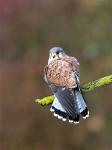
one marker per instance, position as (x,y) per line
(60,73)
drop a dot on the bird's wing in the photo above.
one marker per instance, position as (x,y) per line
(74,62)
(71,60)
(75,68)
(45,75)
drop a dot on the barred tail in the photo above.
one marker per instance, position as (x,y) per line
(61,113)
(69,105)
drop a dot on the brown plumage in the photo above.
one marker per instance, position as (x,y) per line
(60,71)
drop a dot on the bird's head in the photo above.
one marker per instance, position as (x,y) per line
(55,53)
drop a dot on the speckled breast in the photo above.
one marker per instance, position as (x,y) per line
(60,73)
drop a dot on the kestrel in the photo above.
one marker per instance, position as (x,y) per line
(62,76)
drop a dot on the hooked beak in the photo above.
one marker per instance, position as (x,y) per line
(53,55)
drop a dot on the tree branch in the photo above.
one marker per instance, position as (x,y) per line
(85,88)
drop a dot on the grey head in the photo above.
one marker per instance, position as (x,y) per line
(55,53)
(56,50)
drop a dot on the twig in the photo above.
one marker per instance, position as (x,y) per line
(85,88)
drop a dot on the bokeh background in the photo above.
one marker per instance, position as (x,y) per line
(28,29)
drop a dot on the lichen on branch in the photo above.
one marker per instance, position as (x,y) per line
(85,88)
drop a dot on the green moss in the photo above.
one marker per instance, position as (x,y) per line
(45,101)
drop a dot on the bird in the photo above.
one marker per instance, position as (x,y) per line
(62,76)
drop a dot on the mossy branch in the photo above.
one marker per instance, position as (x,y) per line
(85,88)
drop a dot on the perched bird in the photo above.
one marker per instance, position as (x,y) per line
(62,75)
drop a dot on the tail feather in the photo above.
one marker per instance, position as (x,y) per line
(81,102)
(76,119)
(85,113)
(58,110)
(60,113)
(80,107)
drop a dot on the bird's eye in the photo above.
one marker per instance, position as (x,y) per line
(57,53)
(53,56)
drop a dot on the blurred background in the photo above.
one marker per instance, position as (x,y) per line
(28,29)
